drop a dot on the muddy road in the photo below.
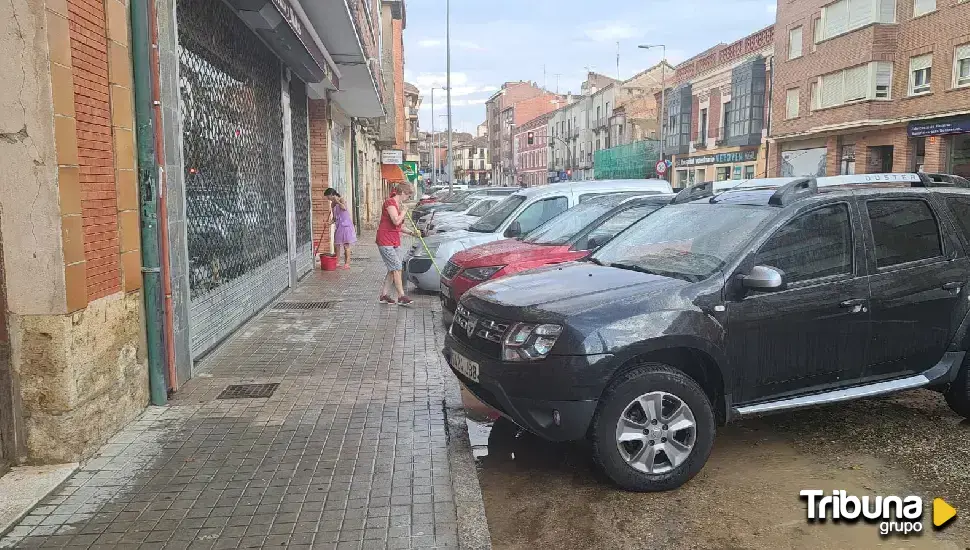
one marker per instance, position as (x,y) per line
(544,495)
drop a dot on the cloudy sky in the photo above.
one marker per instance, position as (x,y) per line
(499,40)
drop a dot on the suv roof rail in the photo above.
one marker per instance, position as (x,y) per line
(915,180)
(694,192)
(792,191)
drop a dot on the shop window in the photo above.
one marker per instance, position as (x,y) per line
(920,74)
(749,172)
(959,164)
(723,173)
(920,148)
(847,160)
(737,172)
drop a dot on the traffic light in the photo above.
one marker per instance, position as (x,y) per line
(531,137)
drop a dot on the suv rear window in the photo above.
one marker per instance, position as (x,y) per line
(904,230)
(961,212)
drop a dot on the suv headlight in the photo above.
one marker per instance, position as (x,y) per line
(529,342)
(482,273)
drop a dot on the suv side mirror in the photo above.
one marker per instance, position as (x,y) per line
(592,244)
(514,230)
(763,278)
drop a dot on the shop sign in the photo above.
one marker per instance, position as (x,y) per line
(392,156)
(940,127)
(718,158)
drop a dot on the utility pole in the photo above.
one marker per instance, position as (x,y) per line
(618,60)
(557,75)
(434,152)
(448,70)
(663,99)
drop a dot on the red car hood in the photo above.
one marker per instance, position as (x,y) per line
(508,252)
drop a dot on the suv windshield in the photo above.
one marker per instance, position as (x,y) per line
(687,241)
(496,216)
(560,229)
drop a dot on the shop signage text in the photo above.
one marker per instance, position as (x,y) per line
(392,156)
(940,127)
(719,158)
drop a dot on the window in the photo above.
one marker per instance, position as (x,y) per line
(903,231)
(920,74)
(795,43)
(847,15)
(961,207)
(723,173)
(749,172)
(961,66)
(703,126)
(816,244)
(814,100)
(540,212)
(726,121)
(791,103)
(847,160)
(869,81)
(922,7)
(817,32)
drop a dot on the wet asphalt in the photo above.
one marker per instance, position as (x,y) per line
(550,495)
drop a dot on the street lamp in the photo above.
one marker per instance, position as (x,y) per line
(448,88)
(663,97)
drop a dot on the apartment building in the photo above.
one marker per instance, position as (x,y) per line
(513,105)
(412,101)
(634,118)
(532,152)
(581,128)
(865,86)
(717,112)
(471,162)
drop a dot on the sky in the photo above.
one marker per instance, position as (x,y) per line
(496,41)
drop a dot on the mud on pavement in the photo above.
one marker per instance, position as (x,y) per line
(544,495)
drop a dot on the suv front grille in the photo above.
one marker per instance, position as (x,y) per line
(479,332)
(450,270)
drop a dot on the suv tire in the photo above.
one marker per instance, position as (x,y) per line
(958,394)
(653,386)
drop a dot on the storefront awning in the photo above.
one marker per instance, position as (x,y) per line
(393,173)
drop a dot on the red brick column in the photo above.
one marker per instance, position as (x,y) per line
(903,152)
(774,161)
(862,157)
(318,114)
(714,114)
(695,116)
(832,159)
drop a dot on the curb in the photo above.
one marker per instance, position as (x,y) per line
(472,524)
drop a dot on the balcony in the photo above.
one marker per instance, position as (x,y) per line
(349,29)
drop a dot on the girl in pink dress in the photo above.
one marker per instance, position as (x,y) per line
(344,234)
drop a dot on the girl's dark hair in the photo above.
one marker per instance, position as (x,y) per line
(330,191)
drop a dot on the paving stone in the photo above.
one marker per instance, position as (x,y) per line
(350,451)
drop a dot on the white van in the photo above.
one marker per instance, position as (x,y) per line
(518,214)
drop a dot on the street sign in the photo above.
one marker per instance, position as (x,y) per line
(392,156)
(661,167)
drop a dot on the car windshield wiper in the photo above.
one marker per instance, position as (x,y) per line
(636,268)
(597,262)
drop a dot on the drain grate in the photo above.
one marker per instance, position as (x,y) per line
(248,391)
(290,306)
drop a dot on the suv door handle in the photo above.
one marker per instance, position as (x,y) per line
(955,285)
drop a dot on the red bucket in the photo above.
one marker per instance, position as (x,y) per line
(328,262)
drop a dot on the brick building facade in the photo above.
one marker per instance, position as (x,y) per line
(502,114)
(532,160)
(885,90)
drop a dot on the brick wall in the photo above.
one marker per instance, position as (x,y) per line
(714,114)
(99,210)
(319,117)
(695,111)
(938,33)
(400,113)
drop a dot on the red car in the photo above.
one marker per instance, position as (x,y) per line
(572,235)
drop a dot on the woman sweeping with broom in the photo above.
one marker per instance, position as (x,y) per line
(344,233)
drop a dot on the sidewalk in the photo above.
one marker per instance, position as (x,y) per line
(362,444)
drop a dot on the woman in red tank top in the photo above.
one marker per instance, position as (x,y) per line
(389,232)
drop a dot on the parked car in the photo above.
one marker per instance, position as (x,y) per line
(567,237)
(470,201)
(772,296)
(445,221)
(453,199)
(518,214)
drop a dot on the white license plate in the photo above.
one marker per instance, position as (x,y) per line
(446,291)
(465,366)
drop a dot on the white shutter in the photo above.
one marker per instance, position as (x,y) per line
(887,11)
(962,54)
(921,62)
(856,83)
(923,6)
(792,103)
(835,18)
(831,93)
(884,79)
(795,43)
(860,13)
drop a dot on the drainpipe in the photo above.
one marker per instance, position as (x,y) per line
(148,192)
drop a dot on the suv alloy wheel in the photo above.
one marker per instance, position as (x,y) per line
(654,429)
